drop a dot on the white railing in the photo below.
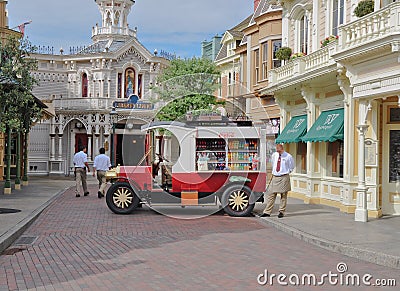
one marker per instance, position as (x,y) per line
(113,30)
(370,27)
(82,103)
(321,58)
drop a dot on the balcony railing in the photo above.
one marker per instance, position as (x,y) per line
(370,27)
(113,30)
(303,65)
(83,103)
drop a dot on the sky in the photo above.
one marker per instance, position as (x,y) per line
(175,26)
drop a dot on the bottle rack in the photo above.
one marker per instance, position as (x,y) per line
(243,154)
(233,154)
(210,154)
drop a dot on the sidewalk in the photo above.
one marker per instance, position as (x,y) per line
(30,201)
(376,241)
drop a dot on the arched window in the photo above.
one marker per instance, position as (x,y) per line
(84,85)
(129,82)
(303,34)
(116,18)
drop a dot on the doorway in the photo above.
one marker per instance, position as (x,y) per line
(130,149)
(391,170)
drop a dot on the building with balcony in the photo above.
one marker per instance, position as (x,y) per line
(261,39)
(114,71)
(229,63)
(339,101)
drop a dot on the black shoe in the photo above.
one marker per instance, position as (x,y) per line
(265,215)
(99,194)
(280,215)
(77,195)
(86,194)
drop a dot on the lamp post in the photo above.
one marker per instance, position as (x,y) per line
(113,116)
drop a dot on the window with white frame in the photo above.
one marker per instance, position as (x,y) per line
(256,65)
(337,15)
(264,60)
(276,45)
(231,48)
(303,34)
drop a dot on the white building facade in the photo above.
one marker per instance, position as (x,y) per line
(351,82)
(82,87)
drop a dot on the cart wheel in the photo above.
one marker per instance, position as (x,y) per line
(236,200)
(121,198)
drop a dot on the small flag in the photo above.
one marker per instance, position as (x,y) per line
(21,27)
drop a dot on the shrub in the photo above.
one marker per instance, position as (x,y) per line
(284,53)
(364,7)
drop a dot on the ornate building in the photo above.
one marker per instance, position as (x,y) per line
(113,75)
(339,101)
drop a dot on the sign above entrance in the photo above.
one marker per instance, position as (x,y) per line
(133,103)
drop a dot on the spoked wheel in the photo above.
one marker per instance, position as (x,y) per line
(121,198)
(236,200)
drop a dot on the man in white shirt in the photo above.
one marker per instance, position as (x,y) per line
(101,164)
(80,162)
(282,166)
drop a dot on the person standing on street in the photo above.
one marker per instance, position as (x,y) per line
(282,166)
(80,162)
(101,164)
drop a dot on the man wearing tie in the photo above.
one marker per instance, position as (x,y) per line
(282,166)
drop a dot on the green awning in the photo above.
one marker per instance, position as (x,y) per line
(294,130)
(328,127)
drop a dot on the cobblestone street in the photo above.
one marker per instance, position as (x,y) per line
(79,244)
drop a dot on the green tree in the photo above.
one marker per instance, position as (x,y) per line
(17,104)
(186,85)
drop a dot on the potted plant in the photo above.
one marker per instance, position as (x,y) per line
(283,53)
(328,40)
(364,7)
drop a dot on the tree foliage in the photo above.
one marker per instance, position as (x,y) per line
(186,85)
(17,104)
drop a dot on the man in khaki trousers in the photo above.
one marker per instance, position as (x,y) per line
(282,166)
(100,166)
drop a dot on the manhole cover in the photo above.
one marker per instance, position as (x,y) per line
(8,210)
(25,240)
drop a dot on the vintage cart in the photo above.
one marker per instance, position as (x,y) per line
(220,164)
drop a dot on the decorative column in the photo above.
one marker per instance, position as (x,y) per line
(96,141)
(89,147)
(52,146)
(361,213)
(7,184)
(309,97)
(18,162)
(60,136)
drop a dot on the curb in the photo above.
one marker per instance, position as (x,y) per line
(12,234)
(344,249)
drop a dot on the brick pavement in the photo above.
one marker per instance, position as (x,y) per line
(81,245)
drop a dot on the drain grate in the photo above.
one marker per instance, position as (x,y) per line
(25,240)
(8,210)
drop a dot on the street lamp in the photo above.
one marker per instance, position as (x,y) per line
(113,116)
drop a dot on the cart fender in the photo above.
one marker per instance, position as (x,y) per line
(134,185)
